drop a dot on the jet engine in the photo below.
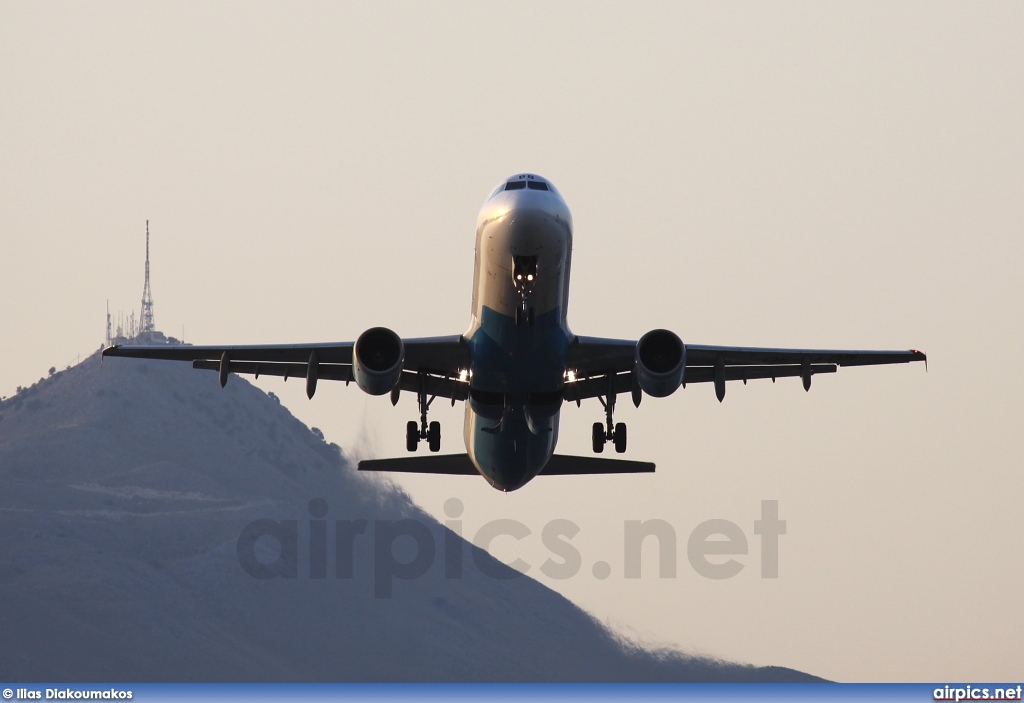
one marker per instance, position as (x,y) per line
(659,362)
(377,360)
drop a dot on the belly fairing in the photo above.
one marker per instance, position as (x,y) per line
(508,453)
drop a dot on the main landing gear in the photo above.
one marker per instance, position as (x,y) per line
(429,431)
(609,431)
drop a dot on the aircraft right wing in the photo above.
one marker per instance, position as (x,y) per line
(603,365)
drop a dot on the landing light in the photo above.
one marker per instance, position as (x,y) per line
(529,278)
(570,376)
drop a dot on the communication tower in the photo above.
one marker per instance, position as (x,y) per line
(146,318)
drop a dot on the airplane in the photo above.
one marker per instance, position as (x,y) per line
(518,362)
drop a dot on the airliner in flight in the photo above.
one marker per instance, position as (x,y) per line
(518,362)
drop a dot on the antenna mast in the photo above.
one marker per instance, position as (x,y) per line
(146,318)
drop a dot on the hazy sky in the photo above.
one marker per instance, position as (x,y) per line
(777,174)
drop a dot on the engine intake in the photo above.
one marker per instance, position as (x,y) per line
(377,360)
(659,362)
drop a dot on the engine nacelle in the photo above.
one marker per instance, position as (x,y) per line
(659,362)
(377,360)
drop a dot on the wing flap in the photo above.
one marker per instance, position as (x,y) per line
(440,355)
(330,372)
(704,355)
(706,374)
(328,353)
(623,382)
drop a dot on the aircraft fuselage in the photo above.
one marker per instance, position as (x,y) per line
(518,337)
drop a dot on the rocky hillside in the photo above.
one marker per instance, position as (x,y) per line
(125,491)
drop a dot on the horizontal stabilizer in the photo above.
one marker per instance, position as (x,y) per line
(563,464)
(452,464)
(460,465)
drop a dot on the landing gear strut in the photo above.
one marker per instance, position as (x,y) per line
(524,313)
(428,431)
(524,276)
(609,431)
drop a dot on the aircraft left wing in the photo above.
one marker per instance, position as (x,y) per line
(603,364)
(431,363)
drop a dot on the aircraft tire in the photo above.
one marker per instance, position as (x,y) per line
(620,437)
(598,437)
(412,435)
(434,436)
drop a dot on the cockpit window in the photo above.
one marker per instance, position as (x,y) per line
(522,181)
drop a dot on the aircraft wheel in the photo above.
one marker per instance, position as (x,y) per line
(412,435)
(620,437)
(434,436)
(529,316)
(519,316)
(598,437)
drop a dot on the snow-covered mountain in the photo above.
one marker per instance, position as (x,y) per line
(124,490)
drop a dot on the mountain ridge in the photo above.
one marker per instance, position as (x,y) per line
(124,489)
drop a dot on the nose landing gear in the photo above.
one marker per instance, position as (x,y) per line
(524,276)
(524,313)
